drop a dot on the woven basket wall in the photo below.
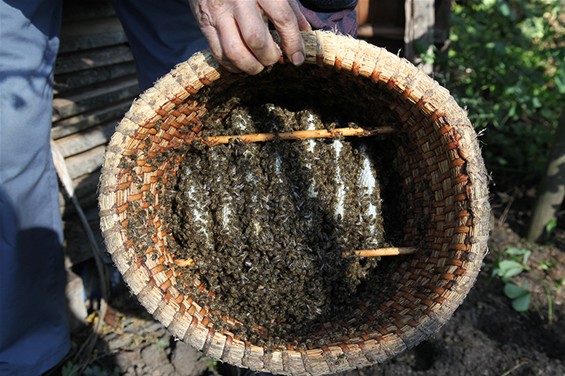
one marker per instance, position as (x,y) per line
(443,180)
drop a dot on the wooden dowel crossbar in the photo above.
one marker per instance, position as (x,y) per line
(388,251)
(181,262)
(299,135)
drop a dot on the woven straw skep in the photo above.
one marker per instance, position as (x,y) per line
(443,179)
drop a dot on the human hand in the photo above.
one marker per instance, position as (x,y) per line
(239,36)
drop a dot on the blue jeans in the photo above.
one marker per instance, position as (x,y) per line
(33,320)
(161,34)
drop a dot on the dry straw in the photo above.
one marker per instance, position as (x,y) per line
(443,184)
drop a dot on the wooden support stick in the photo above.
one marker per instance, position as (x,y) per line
(299,135)
(181,262)
(390,251)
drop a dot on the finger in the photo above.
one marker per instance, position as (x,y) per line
(255,33)
(303,23)
(234,50)
(207,23)
(211,35)
(285,19)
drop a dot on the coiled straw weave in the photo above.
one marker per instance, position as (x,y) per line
(443,183)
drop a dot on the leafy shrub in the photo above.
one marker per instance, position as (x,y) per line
(506,65)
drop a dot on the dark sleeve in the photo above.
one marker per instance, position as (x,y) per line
(328,5)
(337,15)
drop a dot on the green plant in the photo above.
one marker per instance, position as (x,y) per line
(546,265)
(549,297)
(506,65)
(559,285)
(514,262)
(70,369)
(211,364)
(162,343)
(550,226)
(98,371)
(521,296)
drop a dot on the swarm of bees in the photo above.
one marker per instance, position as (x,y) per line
(266,225)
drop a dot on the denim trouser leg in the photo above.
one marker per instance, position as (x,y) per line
(161,34)
(33,321)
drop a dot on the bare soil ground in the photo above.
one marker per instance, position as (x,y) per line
(486,336)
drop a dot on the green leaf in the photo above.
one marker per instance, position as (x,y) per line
(504,9)
(513,292)
(546,265)
(560,83)
(550,226)
(522,303)
(520,296)
(559,284)
(513,251)
(509,268)
(489,3)
(525,253)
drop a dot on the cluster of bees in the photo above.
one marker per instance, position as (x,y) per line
(267,224)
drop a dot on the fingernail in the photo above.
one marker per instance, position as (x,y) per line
(297,58)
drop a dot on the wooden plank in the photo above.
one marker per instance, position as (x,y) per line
(384,24)
(66,82)
(88,59)
(386,13)
(91,41)
(78,123)
(83,141)
(87,28)
(95,97)
(419,29)
(94,86)
(85,163)
(90,34)
(74,11)
(377,31)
